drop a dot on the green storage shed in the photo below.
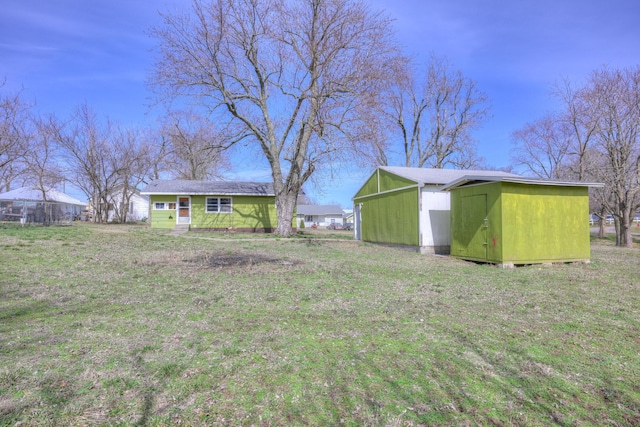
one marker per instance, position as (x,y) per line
(514,221)
(405,206)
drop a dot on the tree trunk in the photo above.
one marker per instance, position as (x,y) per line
(623,230)
(626,240)
(602,230)
(285,208)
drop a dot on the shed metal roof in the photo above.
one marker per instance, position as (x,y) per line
(426,176)
(33,195)
(319,210)
(227,188)
(477,179)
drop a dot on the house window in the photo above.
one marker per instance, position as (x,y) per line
(308,218)
(161,206)
(218,205)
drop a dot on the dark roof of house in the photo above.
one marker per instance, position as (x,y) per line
(319,210)
(227,188)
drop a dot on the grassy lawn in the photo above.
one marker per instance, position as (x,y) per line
(123,325)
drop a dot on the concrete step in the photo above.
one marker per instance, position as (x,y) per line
(180,229)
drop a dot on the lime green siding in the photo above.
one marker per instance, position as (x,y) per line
(520,223)
(546,224)
(383,181)
(369,187)
(162,218)
(389,209)
(389,181)
(390,218)
(248,213)
(471,236)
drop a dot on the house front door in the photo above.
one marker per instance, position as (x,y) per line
(184,210)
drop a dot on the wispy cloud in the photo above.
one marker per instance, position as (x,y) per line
(69,51)
(27,48)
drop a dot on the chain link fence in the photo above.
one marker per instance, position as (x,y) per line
(38,213)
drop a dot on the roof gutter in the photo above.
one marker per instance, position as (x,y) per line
(477,180)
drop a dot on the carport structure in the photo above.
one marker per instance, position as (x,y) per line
(28,206)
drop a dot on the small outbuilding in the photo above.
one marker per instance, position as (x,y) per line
(30,206)
(514,221)
(406,206)
(212,205)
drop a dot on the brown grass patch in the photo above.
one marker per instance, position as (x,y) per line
(226,260)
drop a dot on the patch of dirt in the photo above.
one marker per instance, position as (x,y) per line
(9,407)
(221,260)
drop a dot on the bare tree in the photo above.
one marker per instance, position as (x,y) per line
(616,97)
(578,124)
(133,158)
(14,117)
(289,74)
(42,169)
(597,137)
(435,114)
(601,200)
(542,147)
(195,147)
(88,154)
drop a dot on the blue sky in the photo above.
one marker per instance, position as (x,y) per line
(65,52)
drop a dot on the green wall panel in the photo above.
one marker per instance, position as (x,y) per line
(382,181)
(163,218)
(545,223)
(369,187)
(389,181)
(391,218)
(471,237)
(526,223)
(248,212)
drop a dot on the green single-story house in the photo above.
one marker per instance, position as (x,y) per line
(515,221)
(212,205)
(405,206)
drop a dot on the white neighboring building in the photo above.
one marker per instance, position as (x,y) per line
(321,215)
(138,208)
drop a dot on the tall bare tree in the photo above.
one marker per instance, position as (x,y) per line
(87,152)
(616,97)
(133,157)
(14,143)
(195,147)
(42,165)
(542,147)
(596,136)
(105,160)
(578,122)
(435,114)
(289,73)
